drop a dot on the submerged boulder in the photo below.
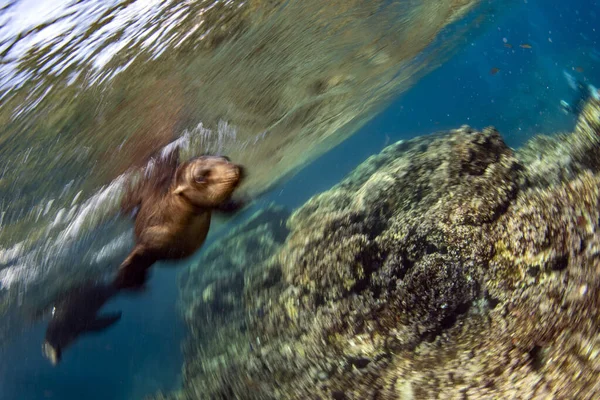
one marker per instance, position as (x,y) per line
(212,292)
(445,264)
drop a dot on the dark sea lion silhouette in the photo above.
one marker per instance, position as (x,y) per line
(77,314)
(172,206)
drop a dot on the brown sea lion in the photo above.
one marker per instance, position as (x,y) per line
(172,207)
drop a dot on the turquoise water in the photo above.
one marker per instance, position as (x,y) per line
(141,354)
(522,100)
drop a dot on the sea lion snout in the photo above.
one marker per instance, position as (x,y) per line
(241,173)
(208,181)
(216,169)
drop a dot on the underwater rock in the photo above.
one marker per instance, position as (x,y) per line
(550,160)
(444,264)
(212,290)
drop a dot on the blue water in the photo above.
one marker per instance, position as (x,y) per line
(138,356)
(141,353)
(521,100)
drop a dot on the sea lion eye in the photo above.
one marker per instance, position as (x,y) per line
(200,176)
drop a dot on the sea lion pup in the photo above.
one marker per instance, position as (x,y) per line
(76,314)
(172,207)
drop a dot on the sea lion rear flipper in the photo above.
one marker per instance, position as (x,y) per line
(88,290)
(103,322)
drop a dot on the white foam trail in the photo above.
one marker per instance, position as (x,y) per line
(95,208)
(113,247)
(85,36)
(8,255)
(12,275)
(594,91)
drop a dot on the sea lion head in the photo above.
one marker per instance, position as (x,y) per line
(208,181)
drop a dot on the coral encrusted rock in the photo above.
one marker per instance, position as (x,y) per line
(447,266)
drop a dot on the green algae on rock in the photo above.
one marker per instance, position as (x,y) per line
(445,264)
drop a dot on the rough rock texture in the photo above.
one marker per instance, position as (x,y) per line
(212,294)
(445,267)
(551,160)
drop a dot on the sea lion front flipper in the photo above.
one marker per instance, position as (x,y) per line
(231,206)
(102,322)
(133,272)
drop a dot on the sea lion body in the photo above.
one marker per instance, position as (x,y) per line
(175,231)
(172,227)
(174,207)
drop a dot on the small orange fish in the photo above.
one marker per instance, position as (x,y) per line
(508,45)
(525,46)
(579,69)
(494,71)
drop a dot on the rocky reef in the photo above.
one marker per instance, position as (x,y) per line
(445,264)
(212,302)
